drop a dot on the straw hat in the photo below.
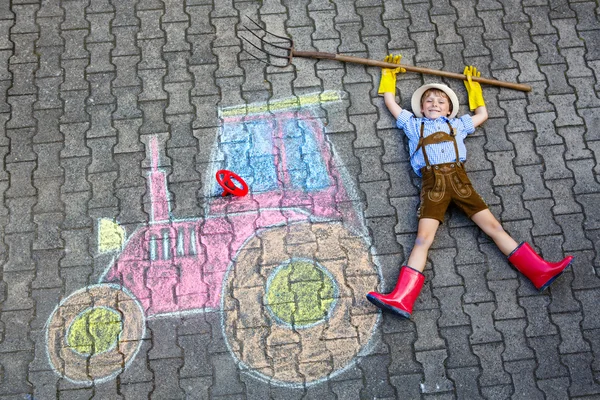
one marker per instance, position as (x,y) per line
(416,98)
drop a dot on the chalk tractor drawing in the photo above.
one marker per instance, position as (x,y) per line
(286,266)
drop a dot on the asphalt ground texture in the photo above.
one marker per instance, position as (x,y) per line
(97,97)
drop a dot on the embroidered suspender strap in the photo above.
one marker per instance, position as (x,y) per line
(421,144)
(453,134)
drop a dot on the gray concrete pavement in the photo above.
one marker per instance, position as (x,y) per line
(126,274)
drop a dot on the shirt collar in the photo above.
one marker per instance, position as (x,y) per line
(439,119)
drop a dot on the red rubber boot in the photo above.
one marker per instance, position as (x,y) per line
(539,271)
(400,301)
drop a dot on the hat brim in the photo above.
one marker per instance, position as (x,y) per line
(415,101)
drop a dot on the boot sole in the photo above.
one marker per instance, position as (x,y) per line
(551,280)
(386,307)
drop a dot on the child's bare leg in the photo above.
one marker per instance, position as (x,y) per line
(425,235)
(490,225)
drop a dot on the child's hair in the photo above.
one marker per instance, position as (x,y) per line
(439,93)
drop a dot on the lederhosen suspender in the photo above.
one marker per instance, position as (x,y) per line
(437,137)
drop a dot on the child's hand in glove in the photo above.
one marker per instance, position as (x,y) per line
(473,88)
(388,75)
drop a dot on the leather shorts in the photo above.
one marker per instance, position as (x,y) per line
(446,183)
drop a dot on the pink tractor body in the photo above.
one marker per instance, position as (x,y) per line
(179,265)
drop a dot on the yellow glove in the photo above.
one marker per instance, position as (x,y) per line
(388,75)
(473,88)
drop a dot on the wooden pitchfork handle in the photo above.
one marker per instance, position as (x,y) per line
(374,63)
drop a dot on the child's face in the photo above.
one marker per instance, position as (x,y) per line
(434,106)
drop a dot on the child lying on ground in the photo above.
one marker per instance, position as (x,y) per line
(437,154)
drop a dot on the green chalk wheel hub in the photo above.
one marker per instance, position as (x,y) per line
(95,331)
(300,293)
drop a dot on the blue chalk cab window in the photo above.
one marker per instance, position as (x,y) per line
(270,154)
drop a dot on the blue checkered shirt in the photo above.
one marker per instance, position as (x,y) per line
(437,153)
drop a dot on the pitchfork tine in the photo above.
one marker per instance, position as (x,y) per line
(262,51)
(266,31)
(286,48)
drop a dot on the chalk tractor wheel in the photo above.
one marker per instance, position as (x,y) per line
(94,333)
(294,306)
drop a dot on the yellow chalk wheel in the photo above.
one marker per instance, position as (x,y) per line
(95,331)
(300,294)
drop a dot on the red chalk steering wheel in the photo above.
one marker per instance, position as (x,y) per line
(224,178)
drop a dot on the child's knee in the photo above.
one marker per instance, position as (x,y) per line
(424,241)
(496,226)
